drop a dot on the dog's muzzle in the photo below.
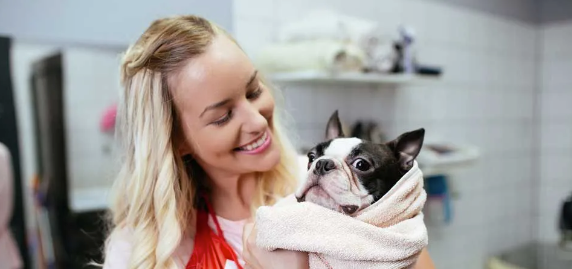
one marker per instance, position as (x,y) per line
(324,166)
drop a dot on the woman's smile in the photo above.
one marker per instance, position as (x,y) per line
(257,146)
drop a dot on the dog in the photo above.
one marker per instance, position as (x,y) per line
(347,174)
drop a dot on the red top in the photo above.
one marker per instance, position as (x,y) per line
(211,251)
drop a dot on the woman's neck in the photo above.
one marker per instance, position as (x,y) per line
(231,196)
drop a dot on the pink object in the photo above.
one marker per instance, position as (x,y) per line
(9,253)
(107,123)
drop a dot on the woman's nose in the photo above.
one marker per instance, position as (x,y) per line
(254,122)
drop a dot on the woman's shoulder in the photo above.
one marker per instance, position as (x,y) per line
(119,249)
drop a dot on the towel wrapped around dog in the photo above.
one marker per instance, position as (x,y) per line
(387,234)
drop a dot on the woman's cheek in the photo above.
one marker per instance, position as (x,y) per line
(220,141)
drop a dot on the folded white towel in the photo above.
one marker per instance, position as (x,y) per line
(311,55)
(326,24)
(388,234)
(373,39)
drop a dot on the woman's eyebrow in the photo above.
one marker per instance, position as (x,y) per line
(252,78)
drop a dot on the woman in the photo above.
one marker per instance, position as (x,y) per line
(198,130)
(9,254)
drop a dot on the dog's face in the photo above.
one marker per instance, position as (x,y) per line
(349,174)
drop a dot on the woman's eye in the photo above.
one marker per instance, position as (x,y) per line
(361,164)
(255,94)
(224,119)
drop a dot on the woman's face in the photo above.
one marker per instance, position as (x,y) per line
(225,112)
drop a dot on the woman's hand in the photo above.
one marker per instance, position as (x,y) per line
(257,258)
(424,261)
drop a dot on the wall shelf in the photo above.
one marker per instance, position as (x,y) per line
(433,163)
(353,77)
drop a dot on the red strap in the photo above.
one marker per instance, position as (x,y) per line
(211,213)
(204,219)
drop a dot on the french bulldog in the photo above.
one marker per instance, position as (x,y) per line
(347,174)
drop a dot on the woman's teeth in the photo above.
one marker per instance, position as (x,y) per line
(254,145)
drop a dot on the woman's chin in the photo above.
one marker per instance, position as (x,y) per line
(265,162)
(268,162)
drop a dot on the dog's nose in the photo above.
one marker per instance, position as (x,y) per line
(324,166)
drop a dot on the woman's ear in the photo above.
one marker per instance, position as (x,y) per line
(183,149)
(182,145)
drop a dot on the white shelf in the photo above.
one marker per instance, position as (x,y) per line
(354,77)
(432,163)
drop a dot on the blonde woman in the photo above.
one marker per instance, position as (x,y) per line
(199,133)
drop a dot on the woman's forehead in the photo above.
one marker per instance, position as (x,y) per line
(220,73)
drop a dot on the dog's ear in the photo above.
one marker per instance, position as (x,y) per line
(334,127)
(407,146)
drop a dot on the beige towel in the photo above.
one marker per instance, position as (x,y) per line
(311,55)
(388,234)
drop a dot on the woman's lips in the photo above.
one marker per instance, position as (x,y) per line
(258,146)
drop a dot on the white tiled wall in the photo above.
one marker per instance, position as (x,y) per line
(556,126)
(486,98)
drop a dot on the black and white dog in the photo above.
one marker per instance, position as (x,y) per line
(349,174)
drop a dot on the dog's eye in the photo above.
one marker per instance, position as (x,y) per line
(361,164)
(311,158)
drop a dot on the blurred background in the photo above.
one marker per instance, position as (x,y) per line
(489,80)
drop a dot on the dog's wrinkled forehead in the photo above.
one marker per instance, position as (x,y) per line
(340,148)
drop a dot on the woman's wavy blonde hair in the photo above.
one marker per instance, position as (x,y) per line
(154,195)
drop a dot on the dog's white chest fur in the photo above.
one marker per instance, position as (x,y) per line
(342,147)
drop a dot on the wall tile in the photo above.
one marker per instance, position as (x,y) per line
(254,9)
(556,135)
(439,22)
(329,98)
(287,11)
(300,103)
(254,33)
(556,105)
(388,12)
(556,38)
(556,75)
(414,103)
(547,228)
